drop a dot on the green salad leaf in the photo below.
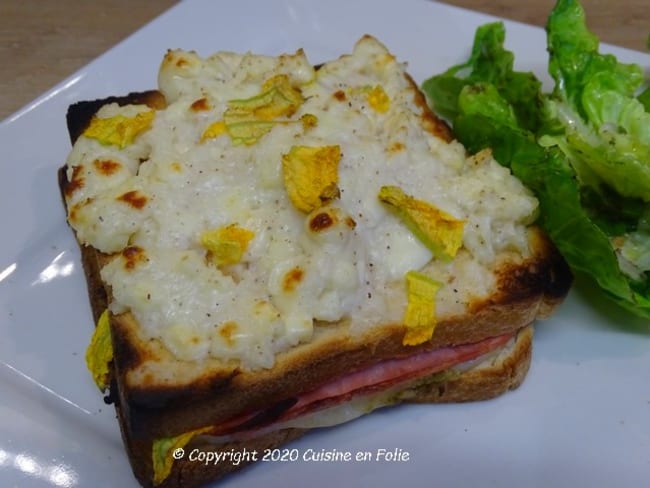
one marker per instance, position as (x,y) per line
(607,128)
(583,148)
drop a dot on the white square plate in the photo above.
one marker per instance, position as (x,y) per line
(582,418)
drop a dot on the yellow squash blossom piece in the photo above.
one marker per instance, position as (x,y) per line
(309,121)
(227,244)
(311,175)
(249,131)
(249,119)
(162,452)
(100,352)
(285,98)
(214,130)
(420,315)
(119,130)
(437,230)
(378,99)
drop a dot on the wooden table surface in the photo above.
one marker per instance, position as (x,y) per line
(42,42)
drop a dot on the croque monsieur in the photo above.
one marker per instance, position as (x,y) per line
(272,247)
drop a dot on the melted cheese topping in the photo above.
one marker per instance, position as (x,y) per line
(192,171)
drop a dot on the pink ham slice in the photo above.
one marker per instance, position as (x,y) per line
(390,372)
(375,378)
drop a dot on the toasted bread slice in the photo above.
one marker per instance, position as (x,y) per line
(156,409)
(481,298)
(480,380)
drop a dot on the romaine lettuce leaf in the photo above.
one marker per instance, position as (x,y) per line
(607,128)
(584,148)
(516,96)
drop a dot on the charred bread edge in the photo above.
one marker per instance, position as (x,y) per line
(526,291)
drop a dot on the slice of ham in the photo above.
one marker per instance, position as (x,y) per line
(390,372)
(377,377)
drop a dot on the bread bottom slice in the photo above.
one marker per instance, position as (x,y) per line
(479,379)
